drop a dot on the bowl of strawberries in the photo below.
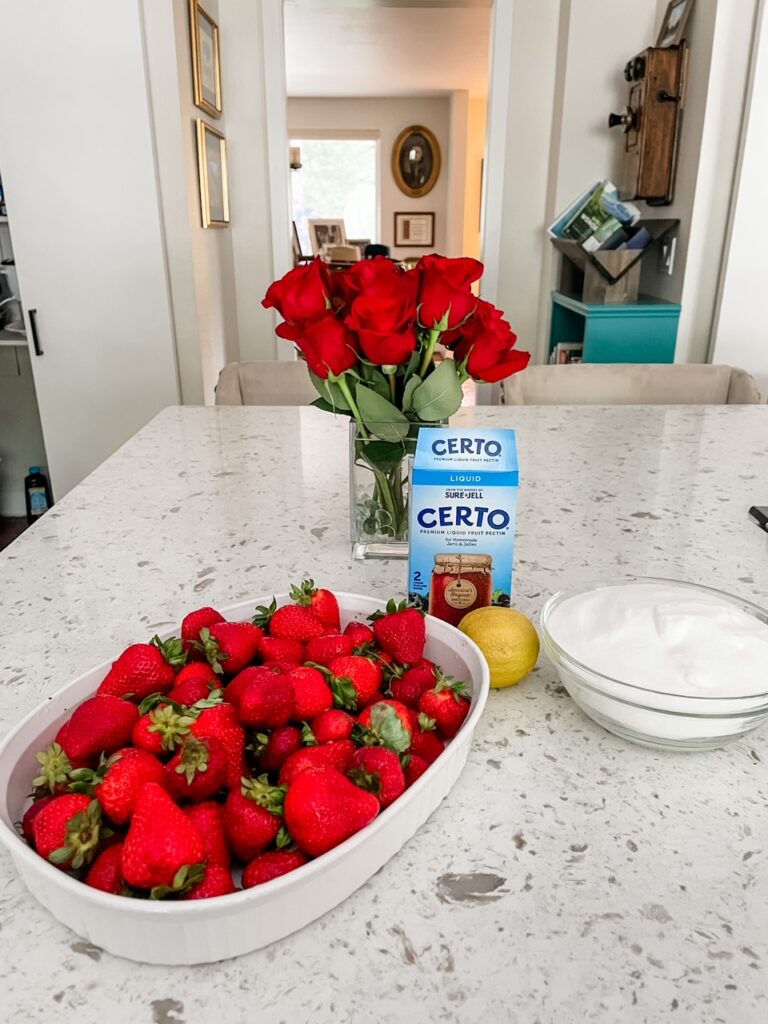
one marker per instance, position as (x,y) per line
(205,794)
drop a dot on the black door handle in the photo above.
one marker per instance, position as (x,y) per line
(32,313)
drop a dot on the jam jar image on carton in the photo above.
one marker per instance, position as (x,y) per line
(459,584)
(462,520)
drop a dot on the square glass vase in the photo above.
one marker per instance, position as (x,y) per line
(379,490)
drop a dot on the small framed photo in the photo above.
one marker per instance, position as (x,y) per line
(326,232)
(206,62)
(414,230)
(212,168)
(673,25)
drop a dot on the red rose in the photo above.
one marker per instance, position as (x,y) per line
(487,343)
(346,285)
(445,288)
(327,344)
(302,294)
(384,317)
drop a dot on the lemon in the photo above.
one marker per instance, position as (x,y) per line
(507,639)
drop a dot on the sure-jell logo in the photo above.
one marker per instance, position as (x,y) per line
(462,526)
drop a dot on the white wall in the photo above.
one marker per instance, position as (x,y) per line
(548,137)
(741,336)
(21,437)
(720,36)
(388,117)
(249,111)
(200,261)
(477,114)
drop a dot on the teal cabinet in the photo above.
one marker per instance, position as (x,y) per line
(643,332)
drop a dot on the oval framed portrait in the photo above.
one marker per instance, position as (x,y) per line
(416,161)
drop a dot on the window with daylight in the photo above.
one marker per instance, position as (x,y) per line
(337,180)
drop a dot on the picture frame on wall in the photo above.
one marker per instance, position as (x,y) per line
(674,23)
(206,59)
(212,170)
(326,232)
(414,230)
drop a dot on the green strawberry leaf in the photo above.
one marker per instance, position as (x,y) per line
(264,614)
(271,798)
(344,693)
(173,650)
(454,686)
(388,727)
(284,839)
(55,768)
(307,736)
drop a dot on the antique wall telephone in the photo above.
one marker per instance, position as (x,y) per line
(651,120)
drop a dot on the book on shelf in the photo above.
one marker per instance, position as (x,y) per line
(598,219)
(566,352)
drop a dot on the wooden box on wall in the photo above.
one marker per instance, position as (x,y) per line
(652,123)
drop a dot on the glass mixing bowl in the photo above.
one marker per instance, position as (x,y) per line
(654,716)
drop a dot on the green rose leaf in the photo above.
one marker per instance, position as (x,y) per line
(383,419)
(382,455)
(439,396)
(330,392)
(410,387)
(320,403)
(375,379)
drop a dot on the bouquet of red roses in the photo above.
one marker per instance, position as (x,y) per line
(368,335)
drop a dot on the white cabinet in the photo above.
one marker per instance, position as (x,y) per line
(77,159)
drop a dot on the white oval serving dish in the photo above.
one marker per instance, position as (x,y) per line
(203,931)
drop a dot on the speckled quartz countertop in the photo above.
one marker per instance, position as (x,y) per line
(568,875)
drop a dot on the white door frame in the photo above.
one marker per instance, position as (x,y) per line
(500,69)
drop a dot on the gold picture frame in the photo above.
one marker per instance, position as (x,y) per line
(416,161)
(212,170)
(206,59)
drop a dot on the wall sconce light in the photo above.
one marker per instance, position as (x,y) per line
(295,158)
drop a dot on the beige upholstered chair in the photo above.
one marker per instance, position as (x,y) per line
(631,384)
(265,383)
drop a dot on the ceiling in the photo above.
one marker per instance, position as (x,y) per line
(386,47)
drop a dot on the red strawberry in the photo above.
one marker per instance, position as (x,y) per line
(161,730)
(217,881)
(117,783)
(356,681)
(202,618)
(266,701)
(379,771)
(236,686)
(68,831)
(386,724)
(336,754)
(106,872)
(277,648)
(208,819)
(284,741)
(409,687)
(190,691)
(447,703)
(193,683)
(414,769)
(252,817)
(230,646)
(222,723)
(312,695)
(28,821)
(400,631)
(198,770)
(323,649)
(271,865)
(160,841)
(332,725)
(359,633)
(323,808)
(295,622)
(100,725)
(143,669)
(322,602)
(426,744)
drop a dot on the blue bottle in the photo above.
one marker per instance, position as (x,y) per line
(37,492)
